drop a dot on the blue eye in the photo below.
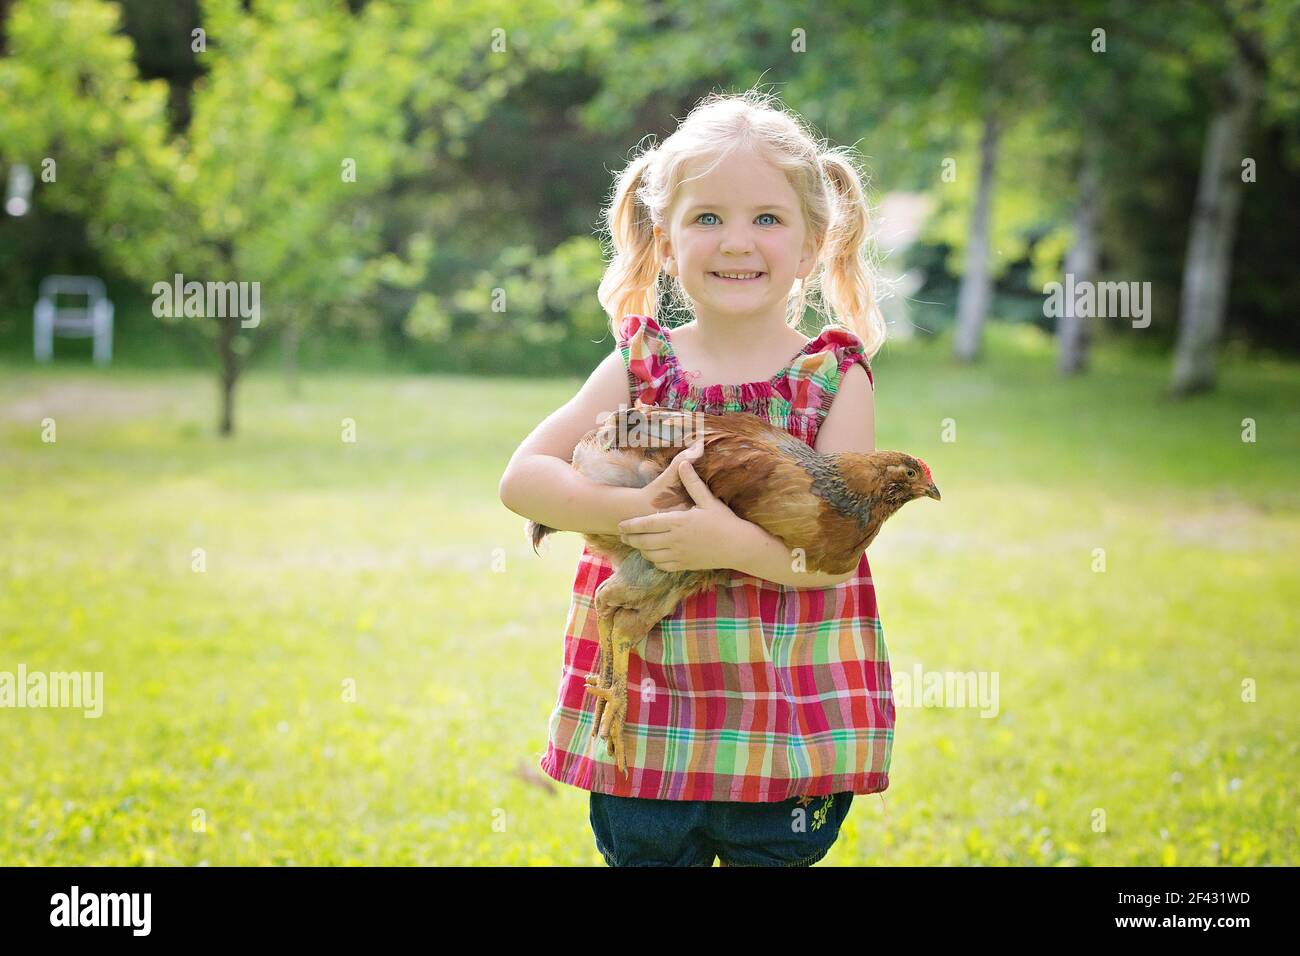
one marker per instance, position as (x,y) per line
(715,216)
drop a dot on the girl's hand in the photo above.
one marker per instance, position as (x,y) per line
(701,538)
(666,492)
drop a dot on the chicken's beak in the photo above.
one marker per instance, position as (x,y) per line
(933,492)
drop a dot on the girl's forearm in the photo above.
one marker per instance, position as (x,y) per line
(761,554)
(547,490)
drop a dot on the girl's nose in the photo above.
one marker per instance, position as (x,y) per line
(736,240)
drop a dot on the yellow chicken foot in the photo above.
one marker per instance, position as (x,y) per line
(623,623)
(616,703)
(599,685)
(611,710)
(602,695)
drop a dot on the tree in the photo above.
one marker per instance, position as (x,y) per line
(976,279)
(1081,261)
(303,116)
(1206,268)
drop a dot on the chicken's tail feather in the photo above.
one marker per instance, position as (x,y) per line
(536,532)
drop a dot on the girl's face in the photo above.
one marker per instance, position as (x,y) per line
(742,217)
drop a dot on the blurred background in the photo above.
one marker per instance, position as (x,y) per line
(275,532)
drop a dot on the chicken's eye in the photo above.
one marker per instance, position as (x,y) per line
(911,473)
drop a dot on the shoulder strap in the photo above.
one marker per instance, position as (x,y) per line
(815,378)
(644,348)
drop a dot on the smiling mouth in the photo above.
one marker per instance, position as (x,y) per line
(730,277)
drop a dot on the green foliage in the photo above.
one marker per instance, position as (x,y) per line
(543,306)
(1031,196)
(304,115)
(493,136)
(71,95)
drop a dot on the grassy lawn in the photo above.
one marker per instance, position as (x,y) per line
(229,735)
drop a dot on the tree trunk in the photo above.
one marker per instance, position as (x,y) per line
(1207,267)
(976,281)
(229,373)
(1080,261)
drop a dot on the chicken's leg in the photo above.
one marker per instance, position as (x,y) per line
(611,710)
(621,627)
(616,710)
(627,612)
(605,664)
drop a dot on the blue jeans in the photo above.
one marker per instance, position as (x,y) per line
(632,831)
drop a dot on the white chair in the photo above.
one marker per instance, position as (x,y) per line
(96,318)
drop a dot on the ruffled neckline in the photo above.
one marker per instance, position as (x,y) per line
(743,391)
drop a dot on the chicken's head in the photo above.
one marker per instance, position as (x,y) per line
(906,478)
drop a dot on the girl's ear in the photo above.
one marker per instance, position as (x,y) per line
(665,250)
(811,250)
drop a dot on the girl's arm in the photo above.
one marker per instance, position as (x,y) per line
(540,484)
(547,490)
(761,554)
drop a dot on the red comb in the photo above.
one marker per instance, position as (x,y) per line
(926,469)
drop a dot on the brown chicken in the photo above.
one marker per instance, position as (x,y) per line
(828,506)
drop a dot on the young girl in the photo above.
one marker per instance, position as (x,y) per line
(757,709)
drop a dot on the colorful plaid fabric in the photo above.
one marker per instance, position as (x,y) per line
(751,691)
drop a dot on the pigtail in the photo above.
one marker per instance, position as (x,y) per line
(630,285)
(848,285)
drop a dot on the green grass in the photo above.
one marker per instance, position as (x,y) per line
(373,562)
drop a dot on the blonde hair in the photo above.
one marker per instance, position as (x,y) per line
(832,199)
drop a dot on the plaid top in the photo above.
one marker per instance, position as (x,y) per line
(761,692)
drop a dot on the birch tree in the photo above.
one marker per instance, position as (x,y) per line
(1203,304)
